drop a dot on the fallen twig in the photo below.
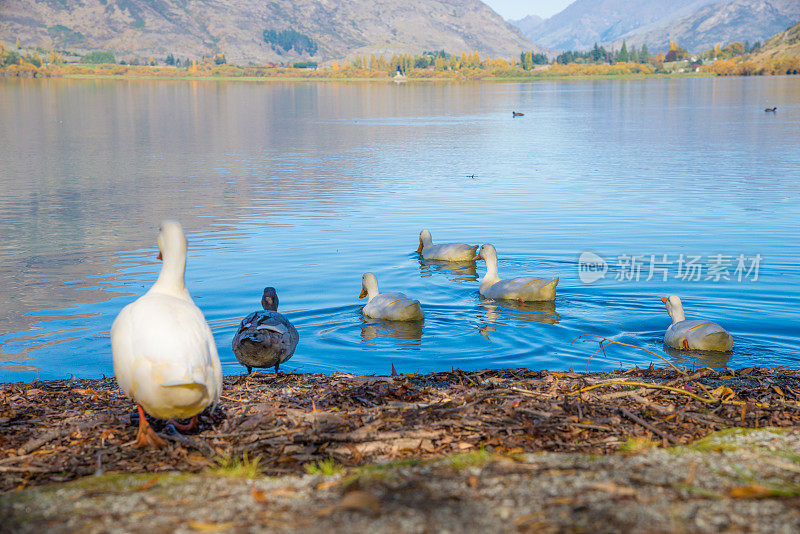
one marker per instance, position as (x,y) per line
(611,341)
(648,426)
(34,444)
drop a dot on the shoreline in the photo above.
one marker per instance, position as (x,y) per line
(321,416)
(296,79)
(297,451)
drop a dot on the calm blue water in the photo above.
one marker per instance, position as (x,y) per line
(306,186)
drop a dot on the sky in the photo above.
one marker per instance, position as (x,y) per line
(517,9)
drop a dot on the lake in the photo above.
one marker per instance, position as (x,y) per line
(661,186)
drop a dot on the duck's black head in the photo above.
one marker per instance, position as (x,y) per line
(269,301)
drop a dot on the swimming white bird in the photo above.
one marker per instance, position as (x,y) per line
(686,334)
(523,288)
(388,306)
(445,251)
(164,354)
(265,338)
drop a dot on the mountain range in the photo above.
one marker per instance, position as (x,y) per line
(722,23)
(295,29)
(585,22)
(695,24)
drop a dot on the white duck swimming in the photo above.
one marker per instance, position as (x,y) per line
(388,306)
(523,288)
(164,354)
(265,337)
(686,334)
(445,251)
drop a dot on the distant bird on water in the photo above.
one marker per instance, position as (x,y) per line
(517,114)
(771,110)
(265,337)
(165,357)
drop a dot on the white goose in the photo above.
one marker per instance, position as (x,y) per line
(388,306)
(165,357)
(445,251)
(686,334)
(523,288)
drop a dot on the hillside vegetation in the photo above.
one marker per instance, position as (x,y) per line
(779,55)
(257,31)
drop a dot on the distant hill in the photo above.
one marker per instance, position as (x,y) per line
(527,25)
(783,44)
(736,20)
(297,29)
(585,22)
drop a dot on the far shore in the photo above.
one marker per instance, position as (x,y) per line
(294,79)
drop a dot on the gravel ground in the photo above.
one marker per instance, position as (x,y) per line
(736,480)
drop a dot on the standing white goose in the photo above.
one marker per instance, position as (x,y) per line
(388,306)
(444,251)
(165,357)
(694,334)
(523,288)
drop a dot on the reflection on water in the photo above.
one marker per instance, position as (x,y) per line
(392,329)
(699,357)
(457,271)
(305,186)
(507,312)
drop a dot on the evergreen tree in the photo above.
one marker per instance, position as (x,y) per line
(596,54)
(623,53)
(644,54)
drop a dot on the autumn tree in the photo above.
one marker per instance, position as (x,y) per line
(527,60)
(734,49)
(675,53)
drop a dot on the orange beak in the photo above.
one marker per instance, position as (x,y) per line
(664,300)
(476,258)
(159,256)
(419,248)
(362,294)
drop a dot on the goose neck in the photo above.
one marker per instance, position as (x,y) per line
(171,278)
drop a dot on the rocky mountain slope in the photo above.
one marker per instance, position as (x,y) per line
(585,22)
(736,20)
(330,29)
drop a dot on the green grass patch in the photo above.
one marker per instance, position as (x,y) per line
(727,439)
(477,458)
(327,467)
(237,467)
(637,444)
